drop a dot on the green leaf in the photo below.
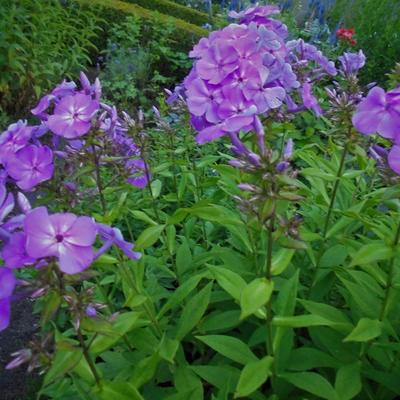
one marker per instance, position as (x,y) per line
(193,311)
(220,321)
(255,295)
(124,323)
(180,294)
(223,377)
(149,236)
(63,362)
(306,358)
(348,381)
(171,238)
(144,371)
(304,321)
(371,253)
(313,383)
(253,376)
(142,216)
(156,186)
(184,258)
(281,260)
(365,330)
(168,348)
(230,347)
(119,390)
(53,301)
(285,306)
(230,281)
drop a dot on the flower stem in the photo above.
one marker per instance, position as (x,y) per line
(98,178)
(173,162)
(86,354)
(389,281)
(335,189)
(271,228)
(330,209)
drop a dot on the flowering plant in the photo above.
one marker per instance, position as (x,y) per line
(346,35)
(269,244)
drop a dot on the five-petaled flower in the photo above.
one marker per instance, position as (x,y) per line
(65,236)
(73,115)
(31,166)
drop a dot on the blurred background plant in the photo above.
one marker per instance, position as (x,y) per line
(41,40)
(138,62)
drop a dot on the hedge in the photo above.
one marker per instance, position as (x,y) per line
(176,10)
(114,10)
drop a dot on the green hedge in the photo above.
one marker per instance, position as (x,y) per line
(114,10)
(176,10)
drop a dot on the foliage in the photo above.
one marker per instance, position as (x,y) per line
(139,62)
(377,26)
(40,41)
(266,272)
(176,10)
(114,10)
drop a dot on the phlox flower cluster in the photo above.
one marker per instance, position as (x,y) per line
(379,113)
(33,236)
(247,71)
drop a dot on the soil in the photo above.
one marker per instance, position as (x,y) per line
(17,384)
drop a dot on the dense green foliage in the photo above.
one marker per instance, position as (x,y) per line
(377,25)
(176,10)
(41,40)
(291,295)
(115,10)
(139,62)
(197,311)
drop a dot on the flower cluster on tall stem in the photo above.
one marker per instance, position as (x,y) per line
(73,123)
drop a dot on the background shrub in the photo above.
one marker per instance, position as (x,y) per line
(176,10)
(41,40)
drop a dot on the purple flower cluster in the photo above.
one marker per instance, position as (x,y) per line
(71,113)
(25,160)
(39,238)
(379,113)
(247,70)
(33,237)
(351,63)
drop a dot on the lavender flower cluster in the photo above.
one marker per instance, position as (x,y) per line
(35,237)
(380,112)
(246,71)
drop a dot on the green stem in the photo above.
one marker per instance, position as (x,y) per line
(335,189)
(389,281)
(271,228)
(98,178)
(330,209)
(174,165)
(89,360)
(198,193)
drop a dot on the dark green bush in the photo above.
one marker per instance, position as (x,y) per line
(40,42)
(114,11)
(176,10)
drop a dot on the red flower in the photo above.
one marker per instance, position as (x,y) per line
(346,35)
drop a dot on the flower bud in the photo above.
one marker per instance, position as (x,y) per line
(247,187)
(23,203)
(282,166)
(288,151)
(90,311)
